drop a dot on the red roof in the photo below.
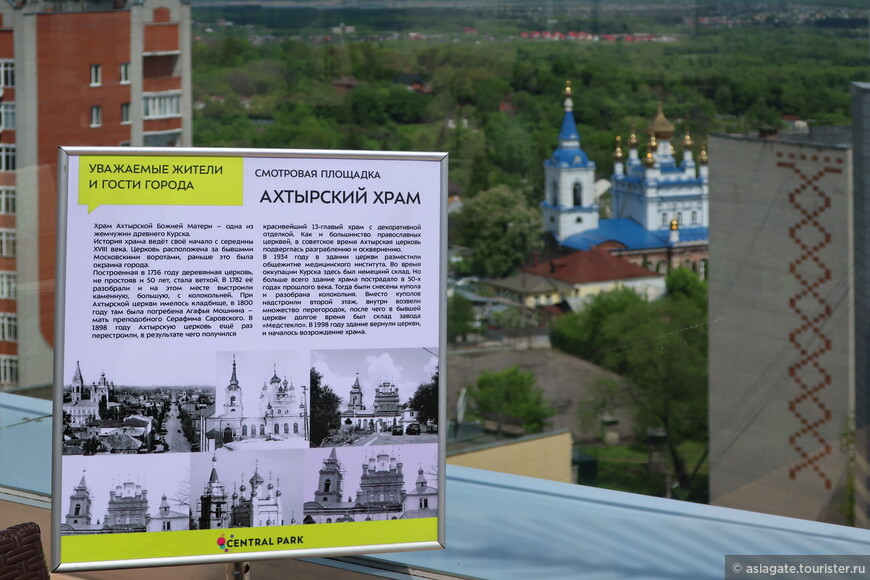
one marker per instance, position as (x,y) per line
(595,265)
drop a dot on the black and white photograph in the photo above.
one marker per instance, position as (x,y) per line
(261,402)
(125,494)
(371,484)
(243,490)
(374,397)
(117,406)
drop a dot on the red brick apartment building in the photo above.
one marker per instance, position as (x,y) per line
(73,73)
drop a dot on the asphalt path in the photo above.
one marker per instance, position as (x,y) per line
(178,443)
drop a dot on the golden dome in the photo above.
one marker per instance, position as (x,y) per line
(662,128)
(618,155)
(687,140)
(648,159)
(632,139)
(567,88)
(675,225)
(702,156)
(653,144)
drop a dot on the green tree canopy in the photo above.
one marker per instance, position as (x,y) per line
(580,333)
(425,400)
(511,393)
(660,349)
(325,406)
(501,229)
(684,283)
(460,317)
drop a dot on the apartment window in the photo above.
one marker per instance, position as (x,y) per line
(8,370)
(125,73)
(7,116)
(162,105)
(7,201)
(7,285)
(7,243)
(96,75)
(8,327)
(7,157)
(96,116)
(125,113)
(7,73)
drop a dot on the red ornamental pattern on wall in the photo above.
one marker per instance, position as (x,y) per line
(812,344)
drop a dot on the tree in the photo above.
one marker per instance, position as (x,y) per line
(580,333)
(682,282)
(460,317)
(500,228)
(324,409)
(425,400)
(511,393)
(662,354)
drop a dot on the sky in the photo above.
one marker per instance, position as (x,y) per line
(406,367)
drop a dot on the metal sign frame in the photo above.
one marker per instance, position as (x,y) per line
(185,279)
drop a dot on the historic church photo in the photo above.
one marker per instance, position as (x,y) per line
(371,484)
(261,402)
(123,494)
(376,387)
(241,490)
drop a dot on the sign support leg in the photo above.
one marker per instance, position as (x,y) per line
(239,571)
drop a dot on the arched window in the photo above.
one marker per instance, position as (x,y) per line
(296,427)
(694,217)
(277,428)
(232,400)
(578,194)
(244,430)
(326,484)
(554,190)
(664,219)
(328,520)
(78,510)
(253,430)
(262,429)
(286,428)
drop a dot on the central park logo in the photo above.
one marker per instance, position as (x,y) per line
(225,544)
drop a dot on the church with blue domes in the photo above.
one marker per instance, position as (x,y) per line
(659,206)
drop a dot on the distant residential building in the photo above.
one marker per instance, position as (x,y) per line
(659,204)
(576,277)
(781,311)
(99,73)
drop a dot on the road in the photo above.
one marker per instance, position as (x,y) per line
(178,443)
(387,439)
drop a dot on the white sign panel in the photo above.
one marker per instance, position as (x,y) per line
(247,355)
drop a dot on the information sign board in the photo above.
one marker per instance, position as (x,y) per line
(248,355)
